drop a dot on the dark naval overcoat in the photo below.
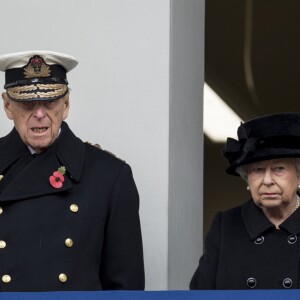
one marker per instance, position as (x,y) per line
(244,250)
(84,235)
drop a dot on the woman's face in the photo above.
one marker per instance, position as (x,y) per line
(273,183)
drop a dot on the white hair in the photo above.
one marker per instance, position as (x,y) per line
(242,170)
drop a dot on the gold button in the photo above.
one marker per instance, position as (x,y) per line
(69,243)
(1,177)
(74,208)
(6,278)
(62,277)
(1,210)
(2,244)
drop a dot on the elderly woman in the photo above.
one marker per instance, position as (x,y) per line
(257,244)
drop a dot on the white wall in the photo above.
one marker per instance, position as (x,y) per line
(120,94)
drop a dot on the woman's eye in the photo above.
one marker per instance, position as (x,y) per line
(256,169)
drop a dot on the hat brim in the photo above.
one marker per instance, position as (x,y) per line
(37,92)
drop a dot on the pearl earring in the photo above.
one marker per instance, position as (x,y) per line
(248,188)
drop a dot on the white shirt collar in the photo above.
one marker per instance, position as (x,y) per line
(32,151)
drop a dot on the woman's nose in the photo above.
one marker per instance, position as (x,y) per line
(268,178)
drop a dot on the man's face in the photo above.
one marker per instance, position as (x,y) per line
(37,122)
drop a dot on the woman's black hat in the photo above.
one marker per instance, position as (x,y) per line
(267,137)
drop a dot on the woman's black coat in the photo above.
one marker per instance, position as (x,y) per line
(46,243)
(243,249)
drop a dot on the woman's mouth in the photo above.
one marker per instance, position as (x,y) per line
(269,195)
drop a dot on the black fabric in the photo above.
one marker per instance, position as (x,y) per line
(15,77)
(243,244)
(36,220)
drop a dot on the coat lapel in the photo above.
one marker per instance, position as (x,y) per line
(70,151)
(33,180)
(292,223)
(257,223)
(11,149)
(254,219)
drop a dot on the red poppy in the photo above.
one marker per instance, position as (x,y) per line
(56,179)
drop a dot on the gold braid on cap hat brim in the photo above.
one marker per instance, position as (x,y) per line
(28,92)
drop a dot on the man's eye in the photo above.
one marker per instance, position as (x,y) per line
(50,102)
(27,105)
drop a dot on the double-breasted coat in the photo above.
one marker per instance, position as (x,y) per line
(243,250)
(84,235)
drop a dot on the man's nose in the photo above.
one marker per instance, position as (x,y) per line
(39,111)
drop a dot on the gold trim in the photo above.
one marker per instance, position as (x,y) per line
(30,91)
(50,86)
(58,90)
(24,88)
(17,95)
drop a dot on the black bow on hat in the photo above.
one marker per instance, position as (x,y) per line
(263,138)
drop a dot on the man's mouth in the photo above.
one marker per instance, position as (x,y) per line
(39,129)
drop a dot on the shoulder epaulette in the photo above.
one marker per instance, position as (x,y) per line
(99,147)
(95,145)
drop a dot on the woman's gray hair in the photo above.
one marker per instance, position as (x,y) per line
(242,170)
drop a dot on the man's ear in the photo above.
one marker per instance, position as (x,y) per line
(66,106)
(7,106)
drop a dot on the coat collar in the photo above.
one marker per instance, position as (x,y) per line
(292,223)
(33,180)
(11,148)
(70,151)
(257,223)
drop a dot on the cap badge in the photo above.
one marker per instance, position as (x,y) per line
(37,67)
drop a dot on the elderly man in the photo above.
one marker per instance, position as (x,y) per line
(68,210)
